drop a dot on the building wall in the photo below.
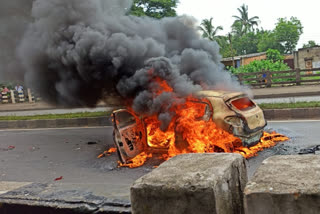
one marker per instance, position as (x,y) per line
(246,61)
(307,58)
(289,60)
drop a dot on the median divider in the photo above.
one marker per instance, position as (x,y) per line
(285,185)
(270,114)
(55,123)
(192,183)
(294,113)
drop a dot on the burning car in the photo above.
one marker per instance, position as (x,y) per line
(209,121)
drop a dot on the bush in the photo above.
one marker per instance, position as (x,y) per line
(274,62)
(261,65)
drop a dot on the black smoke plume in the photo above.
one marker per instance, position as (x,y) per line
(14,19)
(74,52)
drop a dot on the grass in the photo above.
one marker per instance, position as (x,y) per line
(290,105)
(58,116)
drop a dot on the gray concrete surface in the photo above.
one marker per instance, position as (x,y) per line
(293,113)
(289,91)
(40,156)
(302,134)
(285,185)
(288,99)
(52,111)
(56,123)
(269,114)
(192,183)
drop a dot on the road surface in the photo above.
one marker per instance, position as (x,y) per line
(46,154)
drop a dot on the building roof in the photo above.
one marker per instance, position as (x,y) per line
(317,46)
(243,56)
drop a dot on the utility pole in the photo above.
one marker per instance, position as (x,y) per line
(231,49)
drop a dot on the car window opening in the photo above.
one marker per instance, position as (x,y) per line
(125,119)
(243,104)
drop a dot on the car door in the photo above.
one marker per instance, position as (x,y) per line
(129,134)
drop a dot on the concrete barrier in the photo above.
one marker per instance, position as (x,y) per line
(287,114)
(286,185)
(192,183)
(55,123)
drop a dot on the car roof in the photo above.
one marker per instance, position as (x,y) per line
(226,95)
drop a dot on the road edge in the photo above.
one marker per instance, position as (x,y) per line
(56,123)
(270,114)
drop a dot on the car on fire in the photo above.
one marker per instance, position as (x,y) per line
(233,112)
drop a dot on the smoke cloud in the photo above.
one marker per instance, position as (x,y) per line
(14,19)
(74,52)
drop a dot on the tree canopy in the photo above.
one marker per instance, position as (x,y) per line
(310,44)
(154,8)
(243,24)
(208,30)
(287,33)
(284,38)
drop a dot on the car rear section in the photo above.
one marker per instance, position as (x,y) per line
(248,122)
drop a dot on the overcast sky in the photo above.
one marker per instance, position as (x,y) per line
(306,11)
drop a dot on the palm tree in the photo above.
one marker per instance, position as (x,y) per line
(208,30)
(247,24)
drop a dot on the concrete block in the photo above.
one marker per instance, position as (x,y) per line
(286,185)
(192,183)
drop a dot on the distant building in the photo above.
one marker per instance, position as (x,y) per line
(246,59)
(307,58)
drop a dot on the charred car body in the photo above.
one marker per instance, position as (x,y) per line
(233,112)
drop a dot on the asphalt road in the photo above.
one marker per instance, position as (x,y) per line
(46,154)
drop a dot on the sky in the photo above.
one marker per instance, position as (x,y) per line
(306,11)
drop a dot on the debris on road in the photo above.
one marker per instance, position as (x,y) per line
(58,179)
(11,147)
(310,150)
(92,143)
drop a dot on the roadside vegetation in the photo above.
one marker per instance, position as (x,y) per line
(290,105)
(247,37)
(58,116)
(274,62)
(107,113)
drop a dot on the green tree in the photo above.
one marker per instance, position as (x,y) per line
(236,29)
(268,40)
(274,55)
(225,46)
(287,33)
(154,8)
(310,44)
(246,44)
(247,24)
(208,30)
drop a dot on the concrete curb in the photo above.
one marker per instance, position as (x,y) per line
(288,114)
(270,114)
(56,123)
(296,94)
(51,198)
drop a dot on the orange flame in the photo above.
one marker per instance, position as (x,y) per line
(188,132)
(137,161)
(109,152)
(267,140)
